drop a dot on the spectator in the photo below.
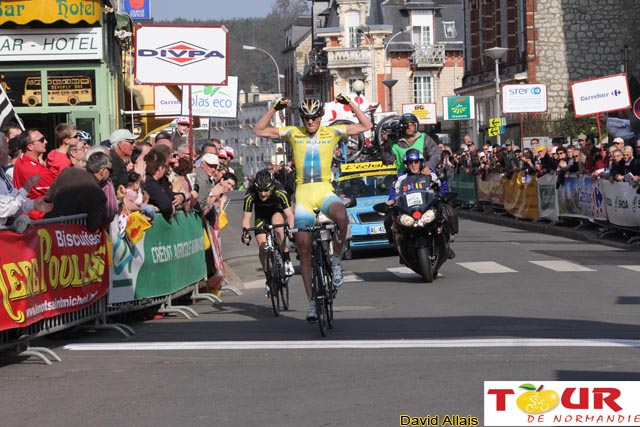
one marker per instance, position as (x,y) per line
(158,187)
(15,152)
(111,207)
(14,201)
(162,136)
(631,166)
(182,130)
(11,130)
(204,179)
(588,156)
(183,151)
(66,136)
(637,152)
(207,148)
(181,183)
(78,191)
(616,168)
(617,127)
(33,145)
(122,144)
(137,157)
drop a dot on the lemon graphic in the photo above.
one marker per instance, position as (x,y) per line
(536,400)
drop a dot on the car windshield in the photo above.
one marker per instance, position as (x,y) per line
(365,186)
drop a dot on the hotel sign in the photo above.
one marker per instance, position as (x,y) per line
(51,44)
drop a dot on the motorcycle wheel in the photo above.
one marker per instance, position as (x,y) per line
(426,269)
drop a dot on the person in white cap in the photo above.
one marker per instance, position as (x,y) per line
(204,179)
(182,129)
(122,145)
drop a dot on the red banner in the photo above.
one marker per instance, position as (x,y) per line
(50,270)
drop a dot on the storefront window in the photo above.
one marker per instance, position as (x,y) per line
(71,88)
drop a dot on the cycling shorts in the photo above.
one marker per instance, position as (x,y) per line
(310,196)
(260,221)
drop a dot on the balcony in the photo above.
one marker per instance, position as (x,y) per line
(428,56)
(348,57)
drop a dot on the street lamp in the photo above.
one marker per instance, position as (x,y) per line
(255,159)
(390,82)
(367,34)
(245,47)
(497,53)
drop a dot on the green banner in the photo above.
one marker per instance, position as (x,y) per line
(465,185)
(169,257)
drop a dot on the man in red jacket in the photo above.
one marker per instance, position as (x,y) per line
(34,145)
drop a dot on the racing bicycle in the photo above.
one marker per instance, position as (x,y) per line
(277,280)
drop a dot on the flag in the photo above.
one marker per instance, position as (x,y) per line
(6,109)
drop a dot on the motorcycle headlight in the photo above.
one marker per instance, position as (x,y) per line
(352,220)
(428,217)
(406,220)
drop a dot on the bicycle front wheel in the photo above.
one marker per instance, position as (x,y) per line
(273,281)
(319,290)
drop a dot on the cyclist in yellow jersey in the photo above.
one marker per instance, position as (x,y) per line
(313,145)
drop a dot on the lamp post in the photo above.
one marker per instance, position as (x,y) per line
(497,53)
(246,47)
(390,82)
(255,159)
(367,34)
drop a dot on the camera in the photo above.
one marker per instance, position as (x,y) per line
(394,129)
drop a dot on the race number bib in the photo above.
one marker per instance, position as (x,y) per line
(414,199)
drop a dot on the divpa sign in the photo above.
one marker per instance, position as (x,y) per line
(181,53)
(198,57)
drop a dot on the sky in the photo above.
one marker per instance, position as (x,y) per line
(209,9)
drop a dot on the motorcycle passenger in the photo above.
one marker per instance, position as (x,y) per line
(271,206)
(411,138)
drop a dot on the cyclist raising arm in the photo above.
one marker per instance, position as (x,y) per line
(271,207)
(313,146)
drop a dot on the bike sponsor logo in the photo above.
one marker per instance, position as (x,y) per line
(181,53)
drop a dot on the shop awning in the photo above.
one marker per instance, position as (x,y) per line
(22,12)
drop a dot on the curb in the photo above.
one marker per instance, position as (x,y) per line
(232,278)
(586,233)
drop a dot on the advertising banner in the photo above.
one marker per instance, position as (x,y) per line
(622,204)
(50,270)
(593,96)
(212,101)
(22,12)
(520,198)
(458,108)
(137,9)
(580,197)
(181,55)
(169,257)
(547,201)
(530,98)
(465,185)
(51,44)
(425,112)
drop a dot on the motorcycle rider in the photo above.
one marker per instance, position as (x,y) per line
(414,163)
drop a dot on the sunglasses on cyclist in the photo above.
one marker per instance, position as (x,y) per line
(264,190)
(316,116)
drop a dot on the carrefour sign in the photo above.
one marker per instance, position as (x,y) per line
(529,98)
(594,96)
(181,55)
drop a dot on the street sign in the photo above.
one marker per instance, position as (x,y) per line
(524,98)
(496,122)
(495,131)
(458,107)
(636,108)
(600,95)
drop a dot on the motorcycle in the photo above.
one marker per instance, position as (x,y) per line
(419,227)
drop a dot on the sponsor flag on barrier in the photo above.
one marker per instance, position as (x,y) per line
(7,112)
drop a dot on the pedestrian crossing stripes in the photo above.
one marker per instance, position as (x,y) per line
(560,265)
(486,267)
(631,267)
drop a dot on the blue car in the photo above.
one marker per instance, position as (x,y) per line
(369,184)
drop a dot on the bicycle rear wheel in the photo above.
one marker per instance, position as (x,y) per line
(273,280)
(283,281)
(317,281)
(353,145)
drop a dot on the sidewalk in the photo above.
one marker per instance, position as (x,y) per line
(585,232)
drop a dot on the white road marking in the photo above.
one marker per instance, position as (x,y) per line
(403,272)
(631,267)
(561,266)
(486,267)
(351,278)
(353,344)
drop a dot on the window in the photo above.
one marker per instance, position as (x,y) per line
(352,21)
(422,89)
(422,23)
(450,31)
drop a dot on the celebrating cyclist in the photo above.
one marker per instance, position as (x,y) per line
(313,145)
(271,207)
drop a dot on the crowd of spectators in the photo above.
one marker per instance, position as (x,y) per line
(613,160)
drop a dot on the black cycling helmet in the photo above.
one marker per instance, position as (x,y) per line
(263,181)
(409,118)
(413,155)
(311,107)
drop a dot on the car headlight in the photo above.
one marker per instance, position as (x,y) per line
(352,220)
(427,217)
(406,220)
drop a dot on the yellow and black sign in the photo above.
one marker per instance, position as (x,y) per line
(496,126)
(366,166)
(23,12)
(360,175)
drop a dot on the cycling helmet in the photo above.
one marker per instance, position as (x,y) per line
(311,107)
(84,136)
(409,118)
(413,155)
(263,180)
